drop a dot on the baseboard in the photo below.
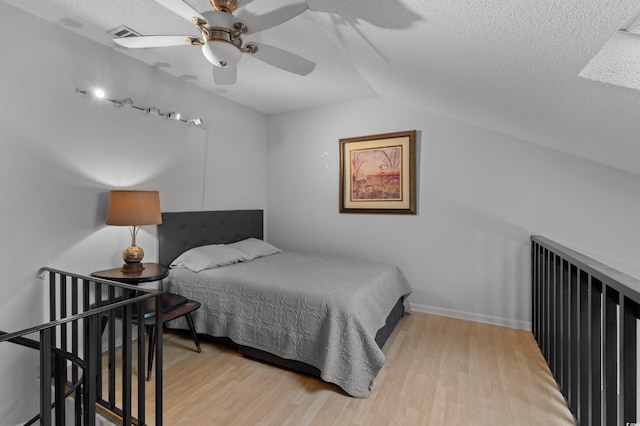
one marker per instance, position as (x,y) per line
(468,316)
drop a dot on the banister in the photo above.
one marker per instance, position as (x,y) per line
(33,344)
(584,318)
(618,280)
(86,349)
(92,312)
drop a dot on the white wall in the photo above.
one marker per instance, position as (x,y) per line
(481,195)
(60,155)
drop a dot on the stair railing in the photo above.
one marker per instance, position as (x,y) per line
(79,365)
(585,317)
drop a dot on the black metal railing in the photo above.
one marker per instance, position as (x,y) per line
(82,365)
(584,319)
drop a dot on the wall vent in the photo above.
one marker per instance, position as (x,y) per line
(123,31)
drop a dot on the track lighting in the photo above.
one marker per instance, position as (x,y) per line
(128,102)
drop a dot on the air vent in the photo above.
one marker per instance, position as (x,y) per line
(123,31)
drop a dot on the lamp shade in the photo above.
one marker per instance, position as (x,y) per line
(134,208)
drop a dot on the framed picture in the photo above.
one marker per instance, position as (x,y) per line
(378,173)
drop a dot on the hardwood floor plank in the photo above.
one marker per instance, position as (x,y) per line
(439,371)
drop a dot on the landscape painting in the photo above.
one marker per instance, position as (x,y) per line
(377,173)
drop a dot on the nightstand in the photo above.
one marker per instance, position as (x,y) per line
(173,305)
(151,272)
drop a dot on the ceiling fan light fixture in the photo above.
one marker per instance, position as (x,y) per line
(221,53)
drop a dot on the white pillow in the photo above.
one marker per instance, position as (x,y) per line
(208,257)
(254,248)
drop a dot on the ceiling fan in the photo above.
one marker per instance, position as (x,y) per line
(222,33)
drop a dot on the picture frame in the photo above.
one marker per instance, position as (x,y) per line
(378,173)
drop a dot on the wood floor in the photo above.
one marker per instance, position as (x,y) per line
(439,371)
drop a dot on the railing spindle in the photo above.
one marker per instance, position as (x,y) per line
(573,339)
(584,355)
(629,368)
(566,330)
(595,345)
(45,376)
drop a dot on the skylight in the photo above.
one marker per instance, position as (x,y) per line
(618,61)
(633,24)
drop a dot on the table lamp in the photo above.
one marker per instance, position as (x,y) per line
(133,209)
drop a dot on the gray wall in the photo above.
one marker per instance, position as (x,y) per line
(481,194)
(60,155)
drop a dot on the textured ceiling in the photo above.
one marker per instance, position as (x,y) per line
(513,66)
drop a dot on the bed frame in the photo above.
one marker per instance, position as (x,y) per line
(181,231)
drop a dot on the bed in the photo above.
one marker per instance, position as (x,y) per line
(320,315)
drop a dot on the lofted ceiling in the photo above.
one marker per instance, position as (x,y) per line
(513,66)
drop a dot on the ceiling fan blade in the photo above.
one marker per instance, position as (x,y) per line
(282,59)
(181,8)
(260,15)
(226,75)
(151,41)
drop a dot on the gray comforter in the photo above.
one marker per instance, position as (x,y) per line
(324,311)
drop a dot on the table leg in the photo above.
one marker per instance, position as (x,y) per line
(193,331)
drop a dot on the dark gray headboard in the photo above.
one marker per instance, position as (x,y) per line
(181,231)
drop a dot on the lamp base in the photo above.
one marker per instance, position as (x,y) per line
(132,268)
(132,257)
